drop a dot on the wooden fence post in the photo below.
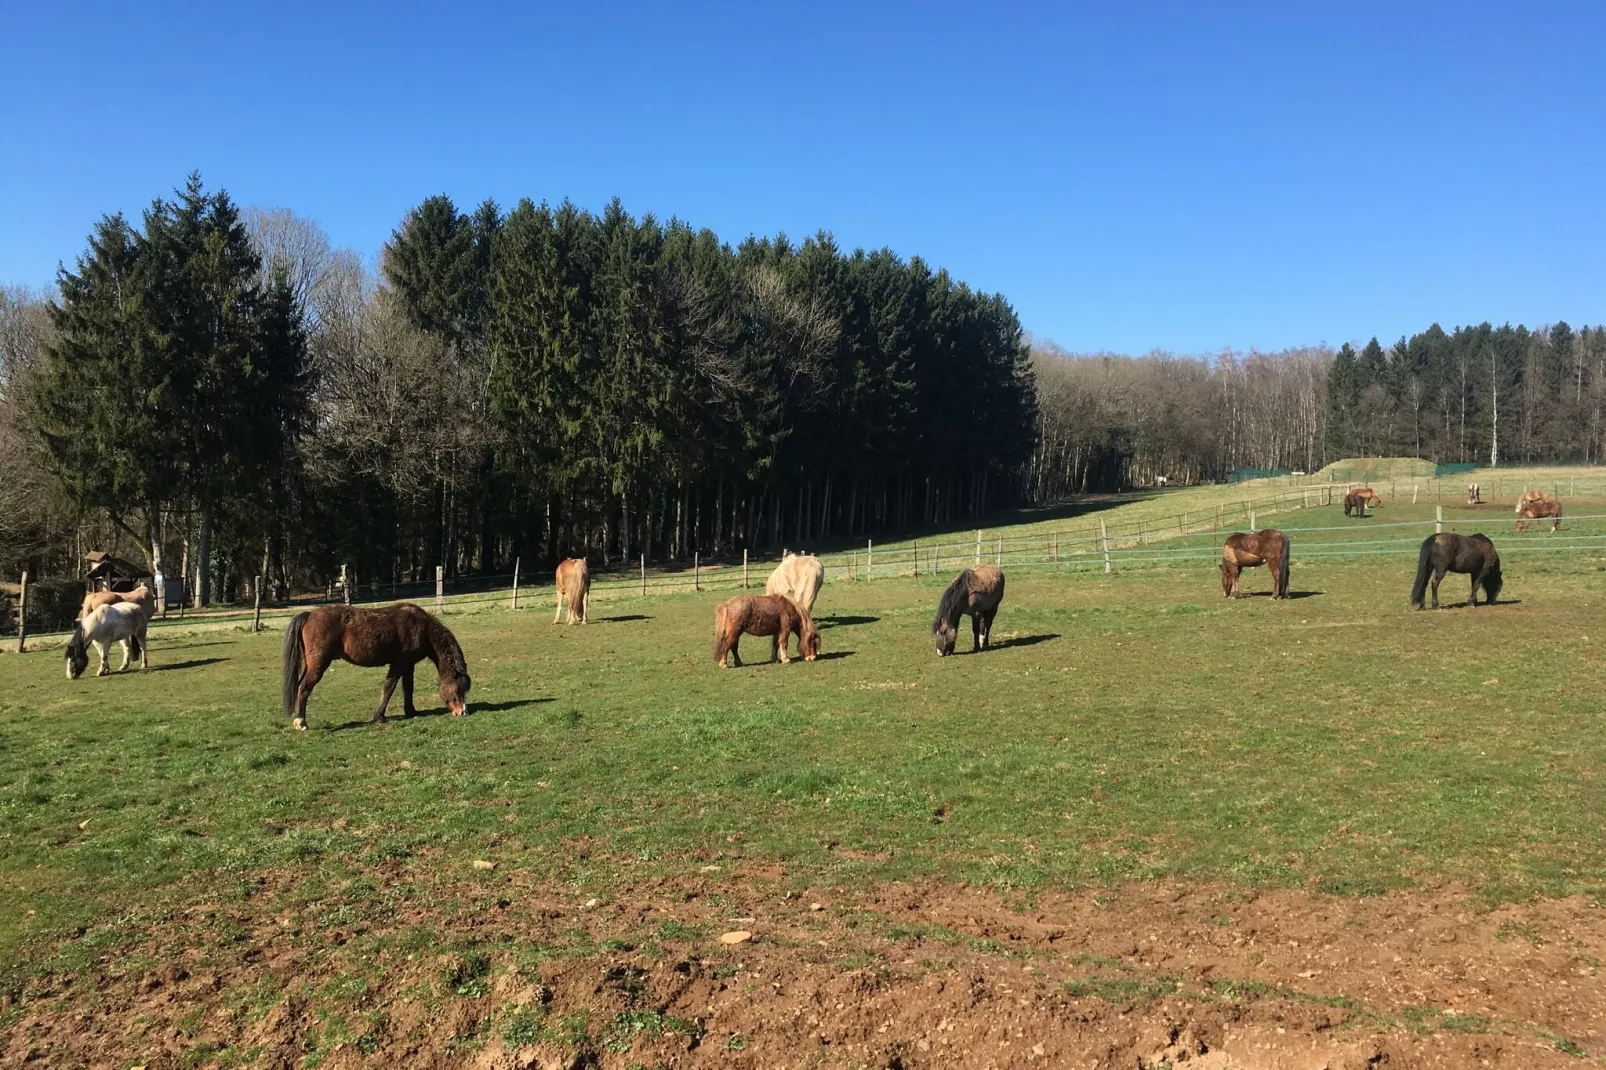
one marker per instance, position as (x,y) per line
(1104,535)
(516,562)
(1000,550)
(440,586)
(915,555)
(1251,509)
(22,614)
(644,575)
(256,619)
(869,559)
(345,584)
(744,568)
(978,546)
(1413,493)
(697,570)
(1438,522)
(936,565)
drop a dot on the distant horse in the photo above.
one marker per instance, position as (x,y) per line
(1358,500)
(1241,551)
(141,596)
(1541,511)
(774,615)
(123,622)
(1537,495)
(976,592)
(1474,494)
(1473,555)
(574,585)
(798,577)
(398,636)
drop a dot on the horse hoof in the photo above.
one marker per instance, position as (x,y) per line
(299,724)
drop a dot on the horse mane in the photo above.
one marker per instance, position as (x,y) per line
(953,600)
(446,646)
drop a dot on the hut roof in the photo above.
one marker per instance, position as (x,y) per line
(105,566)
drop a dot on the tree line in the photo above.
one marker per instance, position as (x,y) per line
(225,391)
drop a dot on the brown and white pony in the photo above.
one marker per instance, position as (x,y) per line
(977,592)
(108,623)
(1474,494)
(141,596)
(774,615)
(1241,551)
(1540,511)
(1359,499)
(398,637)
(798,577)
(574,586)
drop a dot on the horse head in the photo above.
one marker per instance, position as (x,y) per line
(77,652)
(946,635)
(454,692)
(808,640)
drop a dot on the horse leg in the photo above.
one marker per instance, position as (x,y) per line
(102,647)
(987,631)
(1472,599)
(558,616)
(976,628)
(128,654)
(1438,577)
(408,709)
(309,680)
(734,652)
(778,646)
(391,679)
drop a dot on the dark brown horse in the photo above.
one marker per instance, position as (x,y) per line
(1356,501)
(1241,551)
(398,637)
(1548,509)
(774,615)
(1473,555)
(977,592)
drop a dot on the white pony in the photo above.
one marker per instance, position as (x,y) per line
(798,577)
(104,625)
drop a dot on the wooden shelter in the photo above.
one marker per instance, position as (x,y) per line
(109,573)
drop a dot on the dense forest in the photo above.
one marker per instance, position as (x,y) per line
(224,391)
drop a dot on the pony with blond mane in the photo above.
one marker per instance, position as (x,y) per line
(113,622)
(1541,511)
(141,596)
(798,577)
(1536,495)
(574,587)
(1268,547)
(774,615)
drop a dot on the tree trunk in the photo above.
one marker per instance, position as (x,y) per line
(153,538)
(203,554)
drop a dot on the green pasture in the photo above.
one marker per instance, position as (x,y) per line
(1126,727)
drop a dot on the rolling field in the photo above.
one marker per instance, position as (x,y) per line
(1149,825)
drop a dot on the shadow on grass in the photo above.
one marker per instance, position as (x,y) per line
(832,655)
(195,664)
(623,619)
(843,622)
(442,711)
(1024,640)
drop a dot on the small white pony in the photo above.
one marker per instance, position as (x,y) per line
(114,622)
(798,577)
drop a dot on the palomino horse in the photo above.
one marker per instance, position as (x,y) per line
(1474,494)
(1537,495)
(1241,551)
(977,592)
(104,625)
(1540,511)
(398,636)
(1358,500)
(798,577)
(574,586)
(1472,555)
(774,615)
(141,596)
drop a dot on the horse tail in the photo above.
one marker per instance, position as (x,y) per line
(1424,565)
(1282,565)
(721,626)
(295,661)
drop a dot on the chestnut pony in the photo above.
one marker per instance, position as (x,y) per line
(574,586)
(1541,511)
(1358,500)
(398,637)
(977,592)
(774,615)
(1241,551)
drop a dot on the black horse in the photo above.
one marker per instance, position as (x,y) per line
(1470,554)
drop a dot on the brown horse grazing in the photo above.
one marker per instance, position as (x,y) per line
(1241,551)
(1541,511)
(142,596)
(574,585)
(1358,500)
(774,615)
(398,636)
(1472,555)
(976,591)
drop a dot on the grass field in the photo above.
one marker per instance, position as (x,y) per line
(1127,728)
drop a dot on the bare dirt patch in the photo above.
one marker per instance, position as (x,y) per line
(506,973)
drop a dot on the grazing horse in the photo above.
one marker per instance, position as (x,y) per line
(1474,494)
(574,585)
(1358,500)
(1241,551)
(798,577)
(104,625)
(1541,511)
(977,592)
(398,636)
(141,596)
(774,615)
(1473,555)
(1537,495)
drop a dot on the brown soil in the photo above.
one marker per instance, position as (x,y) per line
(892,976)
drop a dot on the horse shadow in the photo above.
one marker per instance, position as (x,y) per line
(193,664)
(626,618)
(832,655)
(1024,640)
(442,711)
(843,622)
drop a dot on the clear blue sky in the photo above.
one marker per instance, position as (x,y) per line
(1162,175)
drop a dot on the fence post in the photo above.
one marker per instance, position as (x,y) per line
(644,575)
(978,546)
(440,586)
(936,562)
(22,614)
(869,559)
(1000,550)
(744,568)
(1413,493)
(697,570)
(516,562)
(256,619)
(1104,535)
(1251,509)
(1438,522)
(915,554)
(345,584)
